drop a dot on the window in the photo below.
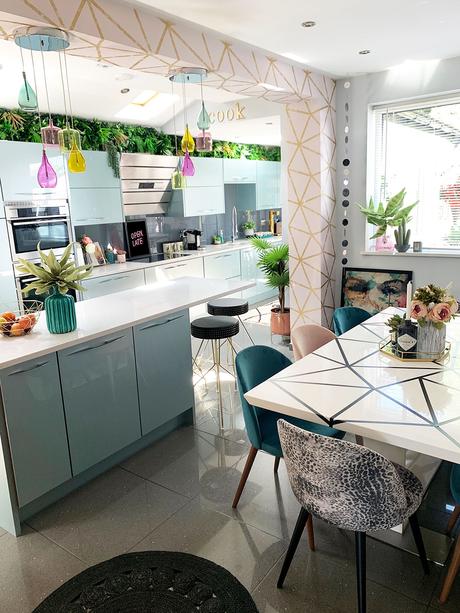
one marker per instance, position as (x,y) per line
(417,146)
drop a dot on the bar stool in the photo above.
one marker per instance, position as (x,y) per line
(230,307)
(215,329)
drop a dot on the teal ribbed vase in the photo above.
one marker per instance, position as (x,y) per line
(60,313)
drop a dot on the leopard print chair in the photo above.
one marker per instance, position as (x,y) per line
(351,487)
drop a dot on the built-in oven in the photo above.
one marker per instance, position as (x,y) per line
(30,223)
(21,283)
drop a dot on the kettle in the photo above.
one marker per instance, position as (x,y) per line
(193,238)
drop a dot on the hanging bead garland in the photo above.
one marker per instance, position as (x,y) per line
(345,181)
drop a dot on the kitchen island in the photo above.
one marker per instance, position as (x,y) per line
(76,404)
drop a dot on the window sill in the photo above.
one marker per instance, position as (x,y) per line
(423,254)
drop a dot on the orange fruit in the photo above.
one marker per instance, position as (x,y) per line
(16,330)
(8,316)
(26,321)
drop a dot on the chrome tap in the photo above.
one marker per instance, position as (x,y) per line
(234,224)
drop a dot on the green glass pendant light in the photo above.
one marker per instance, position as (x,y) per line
(27,99)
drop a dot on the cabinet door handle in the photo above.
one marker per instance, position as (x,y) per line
(227,255)
(18,372)
(112,340)
(176,266)
(114,279)
(161,323)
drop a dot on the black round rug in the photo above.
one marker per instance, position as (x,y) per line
(151,582)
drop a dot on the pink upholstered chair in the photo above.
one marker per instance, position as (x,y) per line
(309,337)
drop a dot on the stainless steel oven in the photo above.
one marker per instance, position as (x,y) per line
(23,280)
(29,223)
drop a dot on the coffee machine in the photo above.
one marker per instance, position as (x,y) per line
(192,239)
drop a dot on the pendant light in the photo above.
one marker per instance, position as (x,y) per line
(204,139)
(49,133)
(69,138)
(178,181)
(187,142)
(27,99)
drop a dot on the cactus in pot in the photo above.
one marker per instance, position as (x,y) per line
(402,236)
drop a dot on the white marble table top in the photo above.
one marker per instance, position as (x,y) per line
(351,385)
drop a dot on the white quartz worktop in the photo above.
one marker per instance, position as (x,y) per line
(206,250)
(100,316)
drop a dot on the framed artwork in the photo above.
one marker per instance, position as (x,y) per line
(374,289)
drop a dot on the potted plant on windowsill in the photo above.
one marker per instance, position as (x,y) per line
(395,215)
(249,226)
(274,262)
(55,278)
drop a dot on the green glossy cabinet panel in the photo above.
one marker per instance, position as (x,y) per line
(268,187)
(36,426)
(195,201)
(239,171)
(8,293)
(97,174)
(93,205)
(222,265)
(251,272)
(164,369)
(112,283)
(100,398)
(208,172)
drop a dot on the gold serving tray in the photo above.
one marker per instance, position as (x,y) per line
(386,348)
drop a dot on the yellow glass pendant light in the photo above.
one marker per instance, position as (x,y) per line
(76,162)
(187,143)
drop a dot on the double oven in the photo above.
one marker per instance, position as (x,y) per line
(31,222)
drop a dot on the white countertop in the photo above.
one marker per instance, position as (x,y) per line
(206,250)
(350,384)
(100,316)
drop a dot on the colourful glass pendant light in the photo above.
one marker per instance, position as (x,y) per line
(203,121)
(50,134)
(76,162)
(27,98)
(178,181)
(68,137)
(187,143)
(203,141)
(46,176)
(188,169)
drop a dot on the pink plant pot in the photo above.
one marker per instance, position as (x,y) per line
(384,243)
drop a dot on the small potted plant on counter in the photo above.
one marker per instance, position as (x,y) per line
(274,262)
(55,278)
(394,214)
(249,226)
(393,323)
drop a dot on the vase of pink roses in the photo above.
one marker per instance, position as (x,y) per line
(433,307)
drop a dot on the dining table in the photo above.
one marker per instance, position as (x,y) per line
(409,411)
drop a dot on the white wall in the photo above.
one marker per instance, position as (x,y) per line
(411,80)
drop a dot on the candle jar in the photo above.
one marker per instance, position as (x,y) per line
(121,258)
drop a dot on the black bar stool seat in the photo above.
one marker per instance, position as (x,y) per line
(215,328)
(228,306)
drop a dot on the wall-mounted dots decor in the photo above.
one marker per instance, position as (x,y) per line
(346,163)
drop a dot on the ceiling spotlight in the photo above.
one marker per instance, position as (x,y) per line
(308,24)
(125,90)
(364,52)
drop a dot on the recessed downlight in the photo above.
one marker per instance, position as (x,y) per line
(308,24)
(364,52)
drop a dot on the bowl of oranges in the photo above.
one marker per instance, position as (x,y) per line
(20,323)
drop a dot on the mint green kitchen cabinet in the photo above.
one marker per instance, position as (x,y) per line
(187,267)
(98,173)
(239,171)
(95,205)
(268,185)
(101,286)
(222,265)
(164,369)
(101,404)
(18,172)
(8,294)
(251,272)
(36,426)
(208,172)
(196,201)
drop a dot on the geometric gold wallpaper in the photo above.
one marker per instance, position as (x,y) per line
(138,38)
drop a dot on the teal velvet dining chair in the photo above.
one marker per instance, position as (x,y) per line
(254,365)
(455,562)
(346,318)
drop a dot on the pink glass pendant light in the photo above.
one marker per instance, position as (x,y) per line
(50,134)
(46,176)
(203,142)
(188,169)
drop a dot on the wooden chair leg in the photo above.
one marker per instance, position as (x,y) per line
(311,533)
(299,527)
(244,477)
(453,518)
(451,573)
(277,464)
(360,545)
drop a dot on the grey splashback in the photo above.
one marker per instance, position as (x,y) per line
(103,234)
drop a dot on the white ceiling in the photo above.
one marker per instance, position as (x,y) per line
(95,90)
(394,30)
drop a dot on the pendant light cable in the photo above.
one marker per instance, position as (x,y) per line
(68,89)
(185,102)
(35,84)
(45,81)
(174,116)
(63,88)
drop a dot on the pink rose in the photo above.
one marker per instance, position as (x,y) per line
(418,310)
(454,307)
(86,240)
(440,312)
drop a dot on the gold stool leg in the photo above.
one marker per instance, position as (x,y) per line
(230,342)
(216,357)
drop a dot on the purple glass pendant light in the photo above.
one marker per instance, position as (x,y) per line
(46,176)
(188,169)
